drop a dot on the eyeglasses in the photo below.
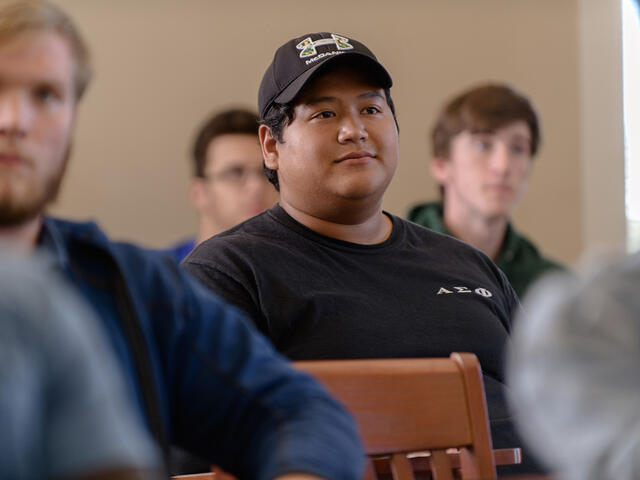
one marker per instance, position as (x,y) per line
(236,175)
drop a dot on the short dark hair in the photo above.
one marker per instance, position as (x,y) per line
(233,121)
(279,115)
(484,108)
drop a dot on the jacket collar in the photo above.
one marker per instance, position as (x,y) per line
(51,244)
(431,216)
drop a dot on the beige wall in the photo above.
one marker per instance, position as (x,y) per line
(601,127)
(162,65)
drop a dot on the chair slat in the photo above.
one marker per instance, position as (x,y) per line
(440,466)
(401,467)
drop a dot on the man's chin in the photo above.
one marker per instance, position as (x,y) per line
(12,216)
(24,201)
(498,214)
(18,208)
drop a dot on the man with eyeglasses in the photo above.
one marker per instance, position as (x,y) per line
(228,184)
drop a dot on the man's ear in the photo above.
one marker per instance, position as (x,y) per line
(269,146)
(197,195)
(440,167)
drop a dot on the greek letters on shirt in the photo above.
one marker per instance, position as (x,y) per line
(464,290)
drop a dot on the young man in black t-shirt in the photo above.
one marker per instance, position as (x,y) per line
(328,274)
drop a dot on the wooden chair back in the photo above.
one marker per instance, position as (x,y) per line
(402,406)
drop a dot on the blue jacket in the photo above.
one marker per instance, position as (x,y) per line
(204,378)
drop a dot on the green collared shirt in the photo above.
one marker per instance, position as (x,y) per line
(519,259)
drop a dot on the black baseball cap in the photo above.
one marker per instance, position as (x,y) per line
(297,61)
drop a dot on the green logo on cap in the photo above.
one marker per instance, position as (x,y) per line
(308,46)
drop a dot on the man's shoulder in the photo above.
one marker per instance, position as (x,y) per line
(449,254)
(89,233)
(86,244)
(434,239)
(88,230)
(256,233)
(428,215)
(522,251)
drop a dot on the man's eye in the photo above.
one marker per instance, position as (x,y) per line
(324,114)
(482,144)
(519,149)
(45,94)
(234,173)
(371,110)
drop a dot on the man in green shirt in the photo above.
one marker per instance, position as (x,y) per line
(483,145)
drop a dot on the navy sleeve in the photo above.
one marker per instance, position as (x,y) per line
(240,404)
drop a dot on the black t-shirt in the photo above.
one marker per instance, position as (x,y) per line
(417,294)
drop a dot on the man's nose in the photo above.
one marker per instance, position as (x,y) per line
(15,114)
(352,129)
(501,158)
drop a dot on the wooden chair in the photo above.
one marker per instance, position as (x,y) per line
(415,405)
(196,476)
(215,474)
